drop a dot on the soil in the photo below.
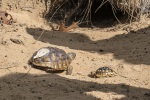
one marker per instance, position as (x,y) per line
(126,52)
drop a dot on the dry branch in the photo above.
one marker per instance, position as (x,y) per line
(63,28)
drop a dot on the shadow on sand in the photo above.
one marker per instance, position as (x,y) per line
(55,87)
(133,47)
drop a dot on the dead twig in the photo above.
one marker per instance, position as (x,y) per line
(39,37)
(63,28)
(24,74)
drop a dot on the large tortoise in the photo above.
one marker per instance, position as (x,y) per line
(53,59)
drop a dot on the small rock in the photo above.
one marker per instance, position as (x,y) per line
(3,42)
(132,31)
(100,50)
(92,59)
(50,84)
(70,40)
(18,84)
(15,30)
(22,51)
(25,67)
(33,91)
(79,73)
(21,25)
(111,59)
(147,94)
(39,97)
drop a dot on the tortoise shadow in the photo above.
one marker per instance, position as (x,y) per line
(55,87)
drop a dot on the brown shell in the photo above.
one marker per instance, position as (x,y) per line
(56,59)
(105,72)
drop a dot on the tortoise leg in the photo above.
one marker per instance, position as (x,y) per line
(69,70)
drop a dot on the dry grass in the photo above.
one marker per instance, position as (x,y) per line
(83,8)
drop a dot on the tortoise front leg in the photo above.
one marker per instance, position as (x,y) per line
(69,70)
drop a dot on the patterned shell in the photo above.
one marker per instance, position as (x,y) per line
(51,57)
(105,72)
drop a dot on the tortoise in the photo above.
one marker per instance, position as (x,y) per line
(103,72)
(53,59)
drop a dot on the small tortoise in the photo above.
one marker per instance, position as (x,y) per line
(103,72)
(54,59)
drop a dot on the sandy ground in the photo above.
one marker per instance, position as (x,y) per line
(127,53)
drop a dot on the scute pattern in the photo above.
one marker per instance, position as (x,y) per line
(105,72)
(54,58)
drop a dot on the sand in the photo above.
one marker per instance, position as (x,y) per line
(128,53)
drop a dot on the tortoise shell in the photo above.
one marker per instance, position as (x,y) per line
(103,72)
(53,58)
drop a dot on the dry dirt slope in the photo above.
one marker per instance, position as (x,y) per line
(126,53)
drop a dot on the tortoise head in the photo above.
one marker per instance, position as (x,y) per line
(72,55)
(93,74)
